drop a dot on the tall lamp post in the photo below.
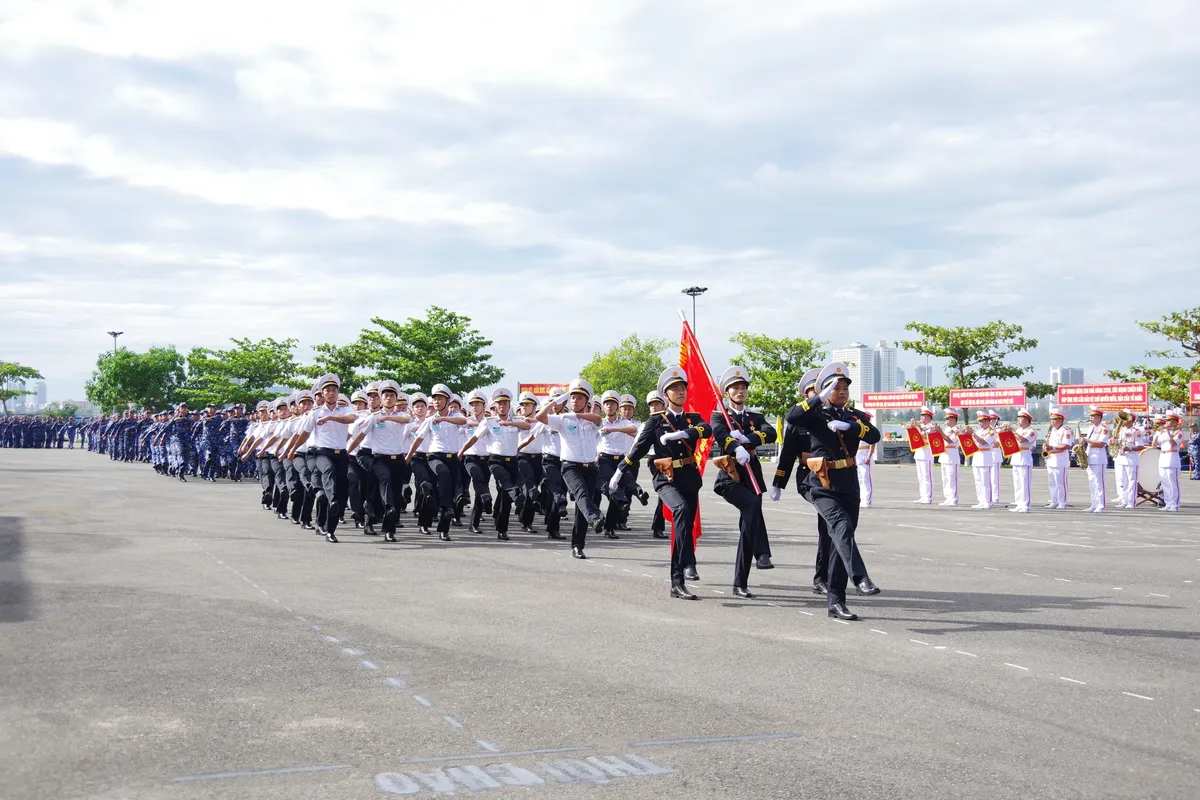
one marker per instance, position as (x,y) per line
(115,334)
(694,292)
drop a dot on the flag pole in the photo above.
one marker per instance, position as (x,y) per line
(717,392)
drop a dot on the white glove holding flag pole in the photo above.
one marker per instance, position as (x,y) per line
(673,436)
(836,425)
(741,455)
(741,437)
(614,483)
(775,494)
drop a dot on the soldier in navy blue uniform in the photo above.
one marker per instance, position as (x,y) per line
(737,437)
(832,481)
(673,436)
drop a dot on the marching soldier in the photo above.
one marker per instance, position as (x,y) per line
(1169,441)
(1022,461)
(923,457)
(579,438)
(1057,451)
(1097,459)
(981,461)
(328,426)
(737,435)
(1127,462)
(951,460)
(616,437)
(500,435)
(440,429)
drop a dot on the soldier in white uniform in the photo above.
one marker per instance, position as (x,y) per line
(500,435)
(1022,462)
(385,433)
(441,430)
(951,460)
(616,437)
(1059,441)
(579,437)
(1169,441)
(996,458)
(1097,459)
(981,461)
(863,462)
(923,457)
(328,427)
(1129,457)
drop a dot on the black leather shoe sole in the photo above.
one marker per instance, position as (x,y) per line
(682,593)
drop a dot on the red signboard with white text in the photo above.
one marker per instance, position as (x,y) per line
(1194,393)
(988,396)
(539,389)
(1108,396)
(893,400)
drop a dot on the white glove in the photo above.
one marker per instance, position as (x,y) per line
(827,392)
(741,437)
(775,494)
(672,436)
(741,455)
(614,483)
(836,425)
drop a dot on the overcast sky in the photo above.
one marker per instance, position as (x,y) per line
(559,171)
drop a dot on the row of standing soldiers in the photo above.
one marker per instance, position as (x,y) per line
(20,431)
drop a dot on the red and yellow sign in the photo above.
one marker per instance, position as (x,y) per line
(1108,396)
(915,440)
(968,444)
(1009,445)
(989,396)
(893,400)
(937,443)
(1194,393)
(540,389)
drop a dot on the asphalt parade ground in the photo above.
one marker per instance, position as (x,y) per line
(168,640)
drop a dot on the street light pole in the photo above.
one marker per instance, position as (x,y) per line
(694,292)
(115,334)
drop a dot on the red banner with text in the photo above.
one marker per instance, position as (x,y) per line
(892,400)
(539,389)
(988,396)
(1194,393)
(1108,396)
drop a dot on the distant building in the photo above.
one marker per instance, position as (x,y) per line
(899,378)
(924,375)
(860,363)
(1066,375)
(885,368)
(40,389)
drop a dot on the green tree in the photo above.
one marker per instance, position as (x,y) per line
(12,373)
(1038,390)
(68,410)
(1169,383)
(975,355)
(243,373)
(148,380)
(442,348)
(347,361)
(934,395)
(776,367)
(632,367)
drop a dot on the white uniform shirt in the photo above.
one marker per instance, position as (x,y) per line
(497,439)
(545,441)
(332,435)
(388,438)
(578,439)
(952,455)
(442,437)
(1168,444)
(613,443)
(268,431)
(1027,438)
(472,429)
(924,453)
(1130,437)
(986,439)
(1063,437)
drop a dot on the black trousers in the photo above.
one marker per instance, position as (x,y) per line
(554,492)
(581,483)
(478,474)
(838,506)
(752,541)
(332,469)
(825,545)
(354,481)
(530,469)
(683,498)
(508,477)
(320,501)
(368,484)
(388,470)
(423,480)
(443,467)
(618,501)
(304,469)
(266,479)
(295,486)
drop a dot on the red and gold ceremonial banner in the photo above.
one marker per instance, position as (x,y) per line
(1008,443)
(990,396)
(1108,396)
(892,400)
(1194,393)
(539,389)
(702,399)
(968,444)
(915,440)
(937,443)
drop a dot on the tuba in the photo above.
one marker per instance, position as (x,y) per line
(1124,420)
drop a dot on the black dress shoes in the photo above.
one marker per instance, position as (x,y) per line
(307,526)
(555,535)
(502,536)
(690,574)
(281,515)
(577,552)
(389,537)
(643,497)
(839,611)
(444,536)
(369,530)
(610,535)
(819,587)
(475,529)
(358,523)
(865,587)
(659,534)
(681,591)
(529,529)
(329,537)
(741,591)
(425,530)
(764,562)
(598,525)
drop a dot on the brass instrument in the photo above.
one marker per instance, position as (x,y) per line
(1080,448)
(1124,420)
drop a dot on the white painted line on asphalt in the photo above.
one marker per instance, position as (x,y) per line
(396,683)
(1156,594)
(316,627)
(926,559)
(842,621)
(422,700)
(351,651)
(212,776)
(332,639)
(367,664)
(775,605)
(997,536)
(806,613)
(993,569)
(918,641)
(965,653)
(626,570)
(1063,580)
(608,565)
(875,630)
(285,608)
(718,591)
(1016,666)
(1138,696)
(1071,680)
(491,748)
(302,619)
(453,722)
(644,575)
(940,647)
(274,600)
(1118,588)
(1031,574)
(959,564)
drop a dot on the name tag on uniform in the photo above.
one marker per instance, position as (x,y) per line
(379,425)
(495,429)
(572,428)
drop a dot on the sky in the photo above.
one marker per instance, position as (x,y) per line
(559,171)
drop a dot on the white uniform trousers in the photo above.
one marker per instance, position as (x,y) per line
(1021,487)
(995,478)
(1127,484)
(866,484)
(1058,486)
(950,483)
(925,481)
(1168,477)
(1096,487)
(983,485)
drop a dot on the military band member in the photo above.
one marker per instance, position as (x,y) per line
(981,461)
(1022,462)
(951,460)
(1059,441)
(863,464)
(1169,441)
(579,438)
(1133,442)
(673,437)
(923,457)
(737,434)
(835,432)
(1097,459)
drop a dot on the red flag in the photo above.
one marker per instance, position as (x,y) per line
(702,399)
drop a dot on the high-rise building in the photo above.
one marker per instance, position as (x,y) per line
(40,388)
(900,378)
(860,367)
(885,368)
(924,375)
(1066,375)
